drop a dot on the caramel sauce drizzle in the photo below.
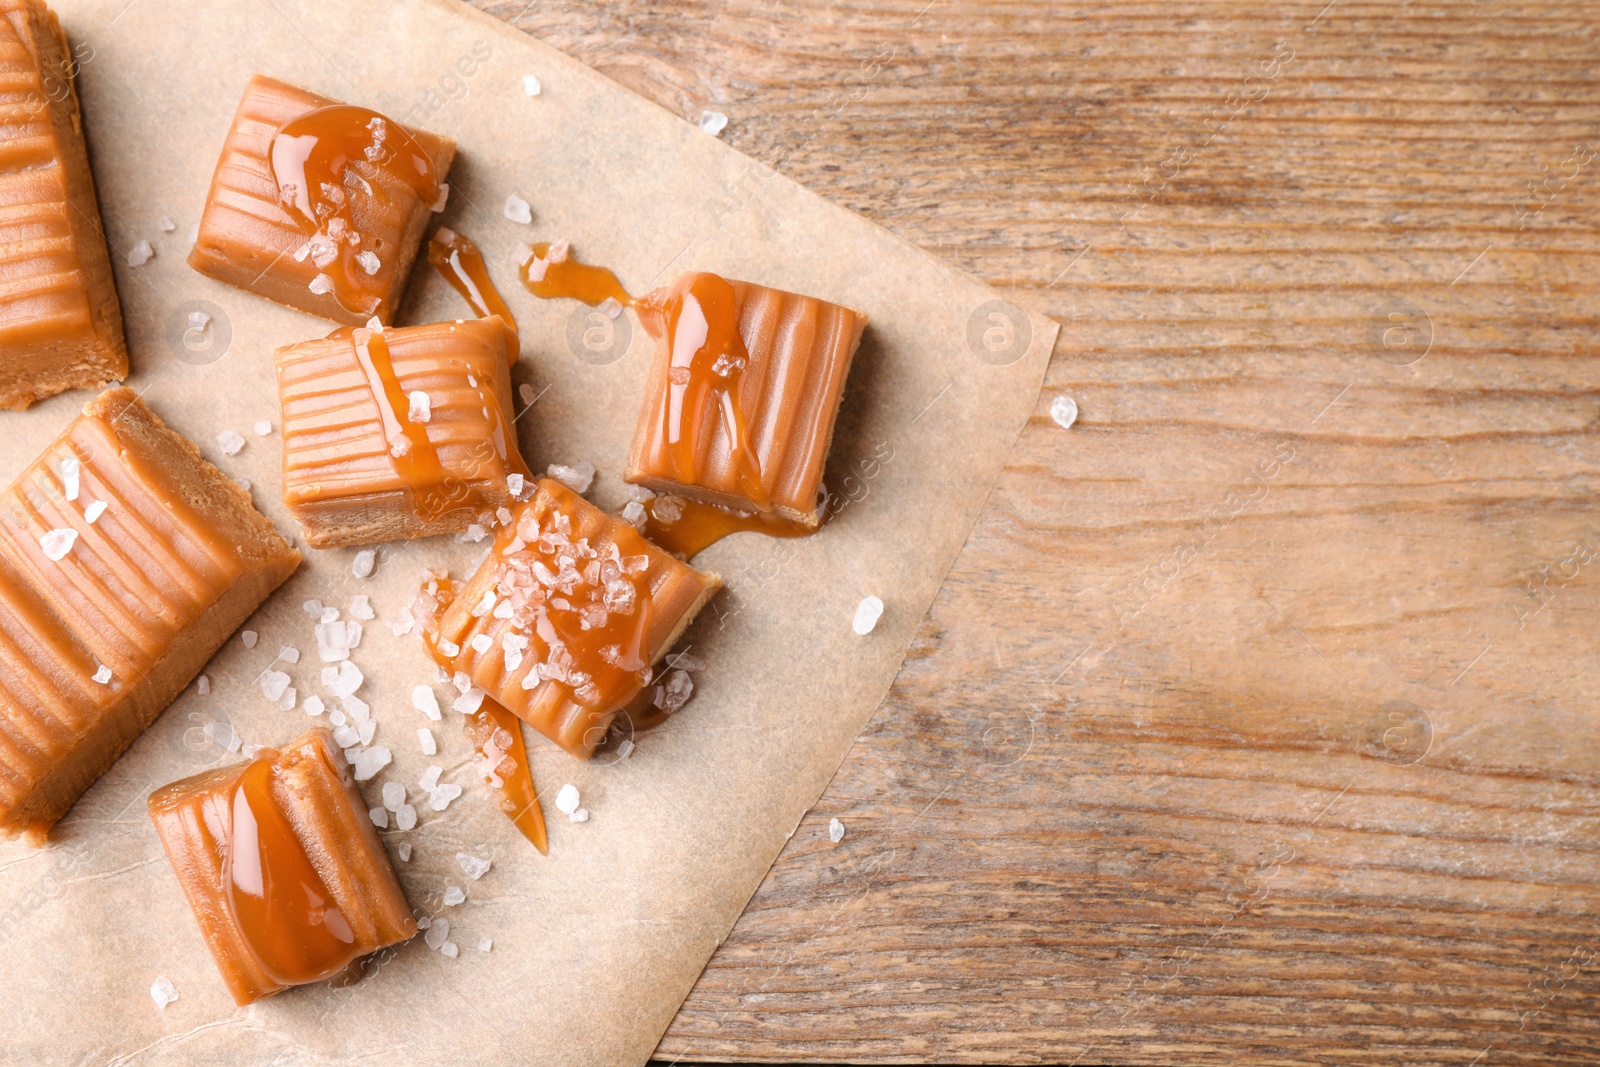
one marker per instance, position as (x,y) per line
(551,272)
(322,162)
(687,527)
(415,459)
(496,735)
(459,262)
(283,907)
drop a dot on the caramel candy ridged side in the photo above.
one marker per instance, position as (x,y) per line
(60,322)
(146,593)
(324,834)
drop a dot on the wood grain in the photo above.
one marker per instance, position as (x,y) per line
(1256,723)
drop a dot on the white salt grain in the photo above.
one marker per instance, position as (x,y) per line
(868,612)
(162,992)
(430,778)
(289,654)
(394,795)
(610,307)
(361,607)
(449,949)
(567,799)
(370,761)
(633,512)
(366,730)
(405,855)
(472,866)
(166,224)
(577,477)
(262,428)
(625,749)
(230,441)
(438,933)
(103,675)
(440,798)
(1064,410)
(835,830)
(425,739)
(425,701)
(249,638)
(444,197)
(379,817)
(517,209)
(365,560)
(481,643)
(581,815)
(287,701)
(202,685)
(469,702)
(713,122)
(405,819)
(95,509)
(369,261)
(514,483)
(313,706)
(531,86)
(674,692)
(453,896)
(484,944)
(69,477)
(421,406)
(321,284)
(273,683)
(57,543)
(140,254)
(313,608)
(525,391)
(329,614)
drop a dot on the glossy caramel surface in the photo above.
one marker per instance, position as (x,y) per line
(551,271)
(496,736)
(687,527)
(457,259)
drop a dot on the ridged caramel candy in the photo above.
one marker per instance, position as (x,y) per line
(358,467)
(164,557)
(563,620)
(60,323)
(742,397)
(282,867)
(248,239)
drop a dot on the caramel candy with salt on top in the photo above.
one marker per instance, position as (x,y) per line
(563,620)
(282,867)
(745,419)
(126,560)
(248,239)
(60,323)
(359,463)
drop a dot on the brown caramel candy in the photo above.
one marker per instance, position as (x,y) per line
(743,394)
(126,560)
(282,866)
(60,323)
(249,237)
(364,462)
(563,620)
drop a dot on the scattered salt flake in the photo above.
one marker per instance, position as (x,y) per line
(95,509)
(581,815)
(242,483)
(369,261)
(713,122)
(366,730)
(567,799)
(405,818)
(403,623)
(425,739)
(289,698)
(405,856)
(484,944)
(514,484)
(362,565)
(525,391)
(273,683)
(162,992)
(430,778)
(356,708)
(421,406)
(230,441)
(449,949)
(249,638)
(469,702)
(438,933)
(472,866)
(262,428)
(440,798)
(674,692)
(453,895)
(483,607)
(835,830)
(313,608)
(329,613)
(69,477)
(634,512)
(1064,410)
(289,654)
(379,817)
(370,761)
(444,198)
(682,661)
(313,706)
(321,284)
(347,736)
(57,543)
(517,209)
(531,86)
(425,701)
(625,749)
(868,612)
(610,307)
(166,224)
(202,685)
(103,675)
(481,643)
(140,254)
(394,795)
(577,477)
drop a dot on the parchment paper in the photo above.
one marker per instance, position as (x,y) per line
(595,946)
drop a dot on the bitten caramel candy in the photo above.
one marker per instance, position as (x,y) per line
(743,394)
(563,620)
(342,241)
(282,866)
(126,560)
(60,323)
(399,432)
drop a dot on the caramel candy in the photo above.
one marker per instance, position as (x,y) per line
(125,562)
(397,433)
(319,205)
(563,620)
(60,323)
(743,394)
(282,866)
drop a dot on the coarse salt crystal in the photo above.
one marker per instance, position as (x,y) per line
(202,685)
(1064,410)
(430,778)
(567,799)
(394,795)
(230,441)
(469,702)
(329,613)
(438,933)
(321,284)
(448,649)
(483,607)
(162,992)
(140,254)
(633,512)
(403,623)
(675,692)
(453,896)
(404,850)
(289,654)
(610,307)
(69,477)
(370,761)
(713,122)
(356,708)
(577,477)
(103,675)
(625,749)
(421,406)
(581,815)
(369,261)
(440,798)
(166,224)
(313,608)
(472,866)
(273,683)
(449,949)
(361,607)
(835,830)
(366,730)
(517,209)
(684,662)
(287,701)
(347,736)
(514,483)
(262,428)
(379,817)
(426,701)
(313,706)
(444,198)
(868,612)
(531,86)
(57,543)
(249,638)
(425,739)
(484,944)
(405,818)
(525,391)
(362,565)
(95,509)
(481,643)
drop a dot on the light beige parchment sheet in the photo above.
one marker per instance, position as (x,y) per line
(595,946)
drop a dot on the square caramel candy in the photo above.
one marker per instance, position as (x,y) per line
(126,560)
(742,396)
(282,867)
(60,323)
(335,243)
(563,620)
(398,433)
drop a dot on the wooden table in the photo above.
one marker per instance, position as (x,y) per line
(1257,722)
